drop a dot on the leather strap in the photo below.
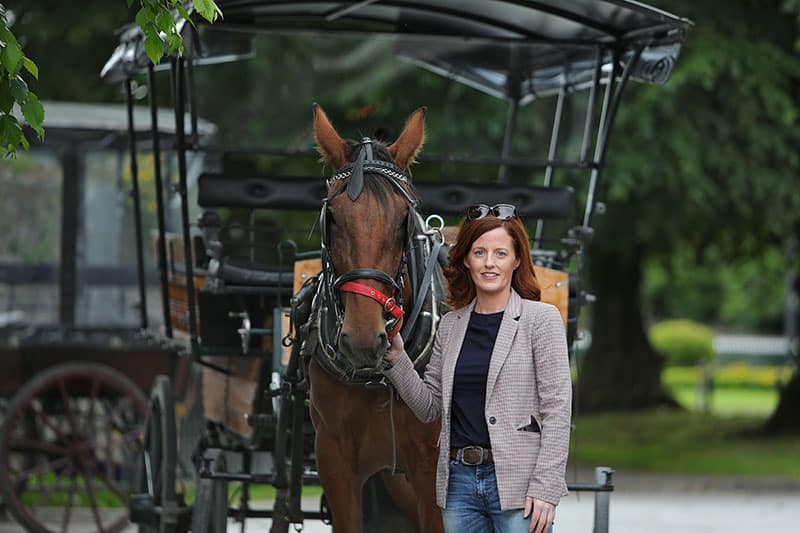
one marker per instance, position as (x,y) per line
(389,304)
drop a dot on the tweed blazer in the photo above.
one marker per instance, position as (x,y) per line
(528,385)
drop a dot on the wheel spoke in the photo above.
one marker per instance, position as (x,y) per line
(29,445)
(92,499)
(43,417)
(73,482)
(25,475)
(47,489)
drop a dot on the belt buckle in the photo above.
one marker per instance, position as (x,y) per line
(480,458)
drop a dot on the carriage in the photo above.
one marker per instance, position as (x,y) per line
(241,281)
(74,374)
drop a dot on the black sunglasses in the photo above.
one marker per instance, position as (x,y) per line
(501,211)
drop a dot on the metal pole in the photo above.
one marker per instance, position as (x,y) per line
(137,209)
(602,476)
(178,95)
(608,115)
(159,183)
(508,137)
(598,145)
(589,123)
(192,103)
(551,155)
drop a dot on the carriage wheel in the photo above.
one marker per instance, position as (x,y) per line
(157,468)
(210,513)
(67,449)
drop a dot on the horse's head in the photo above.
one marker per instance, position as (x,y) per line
(366,224)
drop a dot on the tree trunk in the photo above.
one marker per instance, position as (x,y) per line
(786,418)
(621,370)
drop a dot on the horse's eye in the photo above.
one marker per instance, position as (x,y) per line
(329,217)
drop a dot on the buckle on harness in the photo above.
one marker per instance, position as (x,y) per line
(389,305)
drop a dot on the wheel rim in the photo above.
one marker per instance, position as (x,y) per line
(156,471)
(67,447)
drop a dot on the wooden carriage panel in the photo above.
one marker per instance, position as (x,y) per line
(554,284)
(228,398)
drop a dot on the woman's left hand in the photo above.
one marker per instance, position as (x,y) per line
(542,514)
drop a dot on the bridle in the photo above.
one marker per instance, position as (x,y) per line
(418,265)
(353,175)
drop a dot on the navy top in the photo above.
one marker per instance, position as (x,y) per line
(467,421)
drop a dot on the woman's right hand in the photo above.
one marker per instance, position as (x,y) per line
(396,350)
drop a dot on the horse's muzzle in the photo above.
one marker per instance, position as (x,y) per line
(363,355)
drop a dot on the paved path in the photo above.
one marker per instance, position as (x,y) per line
(650,504)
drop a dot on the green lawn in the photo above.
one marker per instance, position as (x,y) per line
(684,442)
(738,389)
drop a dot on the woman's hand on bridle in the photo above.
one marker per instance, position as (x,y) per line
(395,350)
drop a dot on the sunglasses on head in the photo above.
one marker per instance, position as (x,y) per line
(501,211)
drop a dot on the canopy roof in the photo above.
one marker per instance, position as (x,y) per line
(509,48)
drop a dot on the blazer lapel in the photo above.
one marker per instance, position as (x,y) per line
(450,355)
(505,338)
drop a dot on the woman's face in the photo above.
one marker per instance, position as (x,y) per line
(491,262)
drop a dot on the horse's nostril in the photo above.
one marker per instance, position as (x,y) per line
(345,342)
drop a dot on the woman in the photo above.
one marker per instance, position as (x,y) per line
(499,379)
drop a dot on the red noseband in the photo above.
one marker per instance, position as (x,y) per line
(388,303)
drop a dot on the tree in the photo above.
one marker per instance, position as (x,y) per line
(709,159)
(154,17)
(14,91)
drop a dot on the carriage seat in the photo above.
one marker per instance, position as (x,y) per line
(242,271)
(239,274)
(305,193)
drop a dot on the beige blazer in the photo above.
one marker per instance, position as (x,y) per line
(528,377)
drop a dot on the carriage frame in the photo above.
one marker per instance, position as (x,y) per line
(602,45)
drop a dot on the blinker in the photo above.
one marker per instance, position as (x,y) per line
(356,182)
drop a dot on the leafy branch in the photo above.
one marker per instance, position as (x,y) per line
(158,25)
(160,30)
(14,91)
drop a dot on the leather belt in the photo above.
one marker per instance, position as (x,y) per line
(472,455)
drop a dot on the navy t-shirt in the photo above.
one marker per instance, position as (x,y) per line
(467,420)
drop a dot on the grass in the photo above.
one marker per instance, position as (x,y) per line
(722,441)
(738,389)
(257,492)
(681,442)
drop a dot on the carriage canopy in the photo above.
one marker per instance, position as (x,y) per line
(511,49)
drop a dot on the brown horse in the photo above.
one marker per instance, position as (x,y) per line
(362,427)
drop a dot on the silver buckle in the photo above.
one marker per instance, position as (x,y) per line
(480,459)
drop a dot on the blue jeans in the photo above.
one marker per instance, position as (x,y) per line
(473,503)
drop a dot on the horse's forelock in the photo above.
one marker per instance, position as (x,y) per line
(378,186)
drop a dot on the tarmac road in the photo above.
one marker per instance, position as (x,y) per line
(648,504)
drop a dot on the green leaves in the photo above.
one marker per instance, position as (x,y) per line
(207,9)
(14,91)
(158,23)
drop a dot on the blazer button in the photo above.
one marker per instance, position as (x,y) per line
(492,420)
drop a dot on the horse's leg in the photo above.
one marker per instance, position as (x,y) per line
(342,483)
(402,493)
(337,441)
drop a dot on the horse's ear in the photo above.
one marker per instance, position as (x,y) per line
(405,149)
(330,145)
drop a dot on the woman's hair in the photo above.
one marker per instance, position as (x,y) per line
(461,289)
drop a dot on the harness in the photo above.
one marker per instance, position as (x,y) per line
(418,261)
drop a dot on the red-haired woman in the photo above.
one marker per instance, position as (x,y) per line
(499,379)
